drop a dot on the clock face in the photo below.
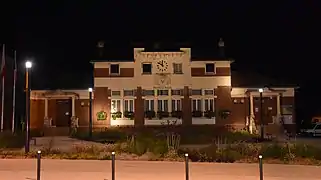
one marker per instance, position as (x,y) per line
(162,65)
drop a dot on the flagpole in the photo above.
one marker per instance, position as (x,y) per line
(14,92)
(2,90)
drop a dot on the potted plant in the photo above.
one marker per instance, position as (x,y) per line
(197,113)
(177,114)
(116,115)
(209,114)
(150,114)
(129,114)
(162,114)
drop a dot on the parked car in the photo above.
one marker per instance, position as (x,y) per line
(314,130)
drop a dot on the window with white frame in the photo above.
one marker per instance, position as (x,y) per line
(149,105)
(162,92)
(196,91)
(148,92)
(162,105)
(177,68)
(115,93)
(129,93)
(114,69)
(177,92)
(196,105)
(115,105)
(128,105)
(209,104)
(176,105)
(210,68)
(209,92)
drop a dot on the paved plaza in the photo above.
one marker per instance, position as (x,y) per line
(17,169)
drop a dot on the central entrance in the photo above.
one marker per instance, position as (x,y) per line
(63,112)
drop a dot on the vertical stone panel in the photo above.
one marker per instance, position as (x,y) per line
(101,102)
(186,107)
(139,107)
(223,102)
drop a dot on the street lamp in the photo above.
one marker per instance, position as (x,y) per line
(90,90)
(28,66)
(261,113)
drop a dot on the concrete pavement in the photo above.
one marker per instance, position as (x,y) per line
(17,169)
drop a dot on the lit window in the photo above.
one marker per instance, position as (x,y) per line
(197,105)
(177,68)
(176,105)
(162,105)
(149,105)
(115,106)
(209,104)
(129,105)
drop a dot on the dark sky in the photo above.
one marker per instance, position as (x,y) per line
(274,38)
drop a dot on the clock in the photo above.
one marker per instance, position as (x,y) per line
(162,65)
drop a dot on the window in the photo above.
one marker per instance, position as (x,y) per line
(149,105)
(177,68)
(115,106)
(209,92)
(209,104)
(197,105)
(148,92)
(129,93)
(147,68)
(129,105)
(177,92)
(210,68)
(196,92)
(162,92)
(176,105)
(114,69)
(162,105)
(287,109)
(115,93)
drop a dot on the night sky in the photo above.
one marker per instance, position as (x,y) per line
(276,38)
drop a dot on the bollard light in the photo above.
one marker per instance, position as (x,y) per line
(38,164)
(261,167)
(186,167)
(113,166)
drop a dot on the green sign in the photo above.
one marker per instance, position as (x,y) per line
(101,116)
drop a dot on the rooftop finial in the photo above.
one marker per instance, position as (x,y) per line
(221,43)
(101,44)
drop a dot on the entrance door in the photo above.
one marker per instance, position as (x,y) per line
(268,109)
(63,112)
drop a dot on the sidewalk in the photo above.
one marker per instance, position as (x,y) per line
(147,170)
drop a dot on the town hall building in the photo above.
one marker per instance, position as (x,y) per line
(161,87)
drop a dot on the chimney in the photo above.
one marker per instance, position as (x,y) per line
(221,48)
(100,46)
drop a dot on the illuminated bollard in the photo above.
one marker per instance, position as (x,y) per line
(186,167)
(38,164)
(261,167)
(113,166)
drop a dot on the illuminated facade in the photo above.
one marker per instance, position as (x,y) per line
(171,87)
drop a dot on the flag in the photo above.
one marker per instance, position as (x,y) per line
(14,91)
(3,66)
(3,62)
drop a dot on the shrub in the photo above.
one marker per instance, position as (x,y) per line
(9,140)
(197,113)
(129,114)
